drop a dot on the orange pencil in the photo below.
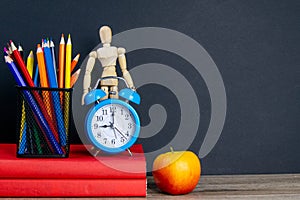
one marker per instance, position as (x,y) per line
(43,77)
(42,66)
(74,62)
(74,77)
(61,62)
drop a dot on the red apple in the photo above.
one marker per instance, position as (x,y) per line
(176,172)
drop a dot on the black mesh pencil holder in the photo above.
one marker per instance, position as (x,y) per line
(43,121)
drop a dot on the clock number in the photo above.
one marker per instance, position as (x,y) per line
(127,134)
(126,117)
(122,112)
(104,112)
(113,141)
(98,135)
(99,118)
(112,109)
(105,140)
(96,126)
(130,125)
(122,139)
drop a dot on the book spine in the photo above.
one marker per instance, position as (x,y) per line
(67,170)
(80,164)
(73,187)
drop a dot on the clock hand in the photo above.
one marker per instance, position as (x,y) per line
(113,127)
(120,132)
(105,126)
(113,117)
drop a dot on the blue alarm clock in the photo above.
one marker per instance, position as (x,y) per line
(112,125)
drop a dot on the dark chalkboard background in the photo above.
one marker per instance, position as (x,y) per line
(255,44)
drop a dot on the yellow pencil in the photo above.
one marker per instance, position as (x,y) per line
(30,62)
(67,82)
(61,62)
(68,63)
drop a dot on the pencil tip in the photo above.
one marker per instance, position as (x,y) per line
(20,47)
(8,59)
(12,45)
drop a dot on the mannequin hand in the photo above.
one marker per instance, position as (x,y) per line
(133,88)
(82,99)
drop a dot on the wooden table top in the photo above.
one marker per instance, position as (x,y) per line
(279,186)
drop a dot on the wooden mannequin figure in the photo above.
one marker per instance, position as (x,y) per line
(107,56)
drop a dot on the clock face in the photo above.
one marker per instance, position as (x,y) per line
(113,125)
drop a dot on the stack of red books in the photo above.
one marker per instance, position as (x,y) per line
(80,175)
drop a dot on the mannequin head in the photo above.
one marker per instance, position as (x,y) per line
(105,35)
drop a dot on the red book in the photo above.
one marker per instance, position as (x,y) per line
(80,164)
(72,187)
(80,175)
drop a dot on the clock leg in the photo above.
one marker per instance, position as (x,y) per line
(96,153)
(129,152)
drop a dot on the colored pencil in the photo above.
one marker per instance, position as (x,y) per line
(67,80)
(68,63)
(22,141)
(55,98)
(53,58)
(21,65)
(49,65)
(36,106)
(74,62)
(75,77)
(6,52)
(61,62)
(9,49)
(42,67)
(23,138)
(20,49)
(29,82)
(29,63)
(36,76)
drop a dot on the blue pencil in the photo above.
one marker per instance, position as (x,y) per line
(55,97)
(23,141)
(42,122)
(50,66)
(53,59)
(36,76)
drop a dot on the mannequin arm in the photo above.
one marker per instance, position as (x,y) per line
(87,76)
(123,66)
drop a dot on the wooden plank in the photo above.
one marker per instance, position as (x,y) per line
(281,186)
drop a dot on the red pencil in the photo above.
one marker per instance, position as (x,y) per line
(21,65)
